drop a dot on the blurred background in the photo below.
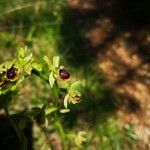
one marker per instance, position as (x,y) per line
(106,45)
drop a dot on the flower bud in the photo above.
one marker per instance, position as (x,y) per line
(40,119)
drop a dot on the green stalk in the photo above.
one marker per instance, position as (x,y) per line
(41,75)
(58,124)
(61,131)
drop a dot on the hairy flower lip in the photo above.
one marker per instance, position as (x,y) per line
(12,73)
(77,98)
(64,74)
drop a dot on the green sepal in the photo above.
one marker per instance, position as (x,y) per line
(46,59)
(51,79)
(56,61)
(27,69)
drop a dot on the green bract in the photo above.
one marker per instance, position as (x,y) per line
(56,61)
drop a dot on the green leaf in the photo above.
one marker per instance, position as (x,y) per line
(56,61)
(37,66)
(50,110)
(66,100)
(51,79)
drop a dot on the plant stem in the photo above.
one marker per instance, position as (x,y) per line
(58,124)
(60,130)
(39,74)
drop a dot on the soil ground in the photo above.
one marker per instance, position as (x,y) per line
(118,36)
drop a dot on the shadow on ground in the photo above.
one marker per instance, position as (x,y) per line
(112,39)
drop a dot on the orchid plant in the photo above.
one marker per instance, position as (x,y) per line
(13,73)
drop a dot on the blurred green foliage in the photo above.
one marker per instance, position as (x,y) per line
(44,26)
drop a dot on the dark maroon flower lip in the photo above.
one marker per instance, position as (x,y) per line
(12,73)
(64,74)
